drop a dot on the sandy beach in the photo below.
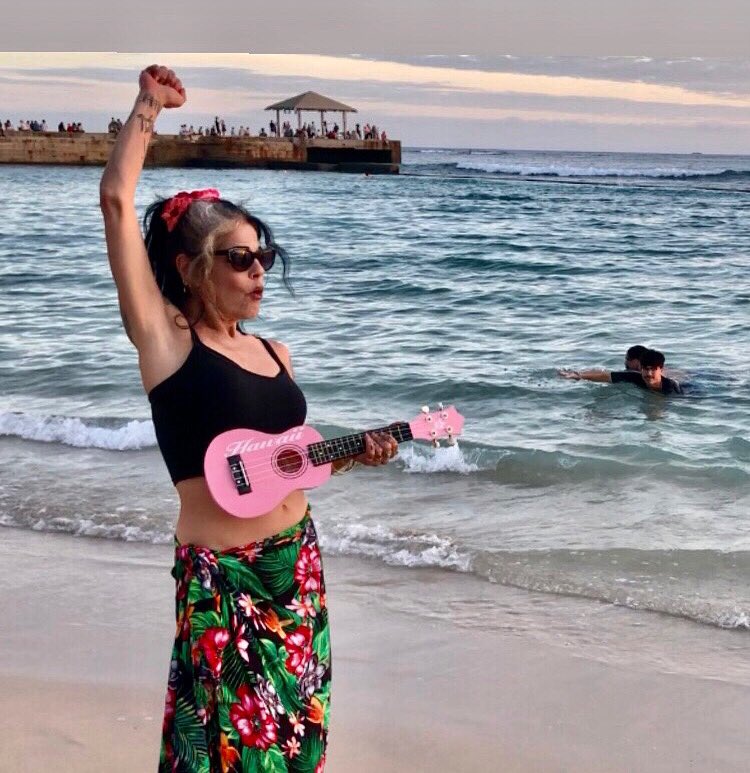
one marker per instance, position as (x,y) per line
(85,646)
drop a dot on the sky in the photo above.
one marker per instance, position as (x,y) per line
(587,102)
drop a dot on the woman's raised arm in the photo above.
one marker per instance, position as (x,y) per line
(142,306)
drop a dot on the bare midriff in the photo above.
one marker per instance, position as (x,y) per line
(203,522)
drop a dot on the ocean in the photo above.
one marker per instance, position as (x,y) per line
(468,279)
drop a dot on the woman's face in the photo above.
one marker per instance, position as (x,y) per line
(238,293)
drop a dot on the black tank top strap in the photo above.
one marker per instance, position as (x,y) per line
(273,354)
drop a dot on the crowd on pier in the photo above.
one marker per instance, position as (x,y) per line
(23,126)
(309,130)
(218,128)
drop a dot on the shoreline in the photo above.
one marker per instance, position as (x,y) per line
(85,663)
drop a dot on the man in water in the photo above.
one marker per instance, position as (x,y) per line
(650,376)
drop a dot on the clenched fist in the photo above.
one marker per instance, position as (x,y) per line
(163,85)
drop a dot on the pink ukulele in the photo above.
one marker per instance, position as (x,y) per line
(249,473)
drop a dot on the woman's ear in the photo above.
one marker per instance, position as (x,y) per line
(181,263)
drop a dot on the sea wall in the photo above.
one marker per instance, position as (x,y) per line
(170,150)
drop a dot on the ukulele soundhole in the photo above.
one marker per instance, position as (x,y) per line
(289,462)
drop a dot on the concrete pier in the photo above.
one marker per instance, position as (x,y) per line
(90,149)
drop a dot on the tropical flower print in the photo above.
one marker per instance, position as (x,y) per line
(299,648)
(304,607)
(298,727)
(307,569)
(266,693)
(209,646)
(292,748)
(250,675)
(251,611)
(253,720)
(311,679)
(242,643)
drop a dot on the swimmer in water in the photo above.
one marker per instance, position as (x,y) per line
(650,376)
(633,362)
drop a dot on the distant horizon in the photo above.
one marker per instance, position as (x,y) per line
(581,152)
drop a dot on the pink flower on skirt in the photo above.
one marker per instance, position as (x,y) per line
(307,569)
(252,720)
(211,644)
(299,649)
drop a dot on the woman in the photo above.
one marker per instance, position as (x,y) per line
(249,682)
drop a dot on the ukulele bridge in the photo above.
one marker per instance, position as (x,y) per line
(239,476)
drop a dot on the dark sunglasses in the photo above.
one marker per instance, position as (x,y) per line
(241,258)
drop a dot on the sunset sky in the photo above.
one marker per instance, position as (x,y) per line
(540,102)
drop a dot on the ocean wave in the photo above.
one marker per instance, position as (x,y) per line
(396,548)
(445,459)
(569,170)
(513,466)
(73,431)
(703,586)
(541,468)
(577,171)
(670,582)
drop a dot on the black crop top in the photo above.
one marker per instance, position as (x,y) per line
(210,394)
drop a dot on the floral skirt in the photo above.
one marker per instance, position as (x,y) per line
(250,676)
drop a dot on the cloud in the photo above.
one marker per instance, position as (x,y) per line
(349,69)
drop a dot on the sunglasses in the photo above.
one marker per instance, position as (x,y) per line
(241,258)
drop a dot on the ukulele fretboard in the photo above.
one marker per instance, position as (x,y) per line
(326,451)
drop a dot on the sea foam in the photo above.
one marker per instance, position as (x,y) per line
(72,431)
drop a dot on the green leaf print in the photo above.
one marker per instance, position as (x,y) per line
(233,668)
(189,737)
(239,576)
(251,760)
(277,568)
(309,756)
(274,668)
(200,621)
(272,761)
(225,722)
(268,651)
(196,591)
(322,646)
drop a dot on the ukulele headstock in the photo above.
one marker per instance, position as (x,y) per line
(436,425)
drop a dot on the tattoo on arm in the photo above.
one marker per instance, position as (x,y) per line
(147,127)
(147,99)
(147,124)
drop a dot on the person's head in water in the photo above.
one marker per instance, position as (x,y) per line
(633,357)
(210,256)
(652,365)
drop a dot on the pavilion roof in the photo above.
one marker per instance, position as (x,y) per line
(311,100)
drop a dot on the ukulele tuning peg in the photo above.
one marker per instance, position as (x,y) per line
(425,409)
(451,440)
(436,444)
(440,406)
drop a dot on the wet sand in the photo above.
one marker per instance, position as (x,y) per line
(87,630)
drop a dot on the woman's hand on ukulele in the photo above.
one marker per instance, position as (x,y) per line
(380,448)
(163,85)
